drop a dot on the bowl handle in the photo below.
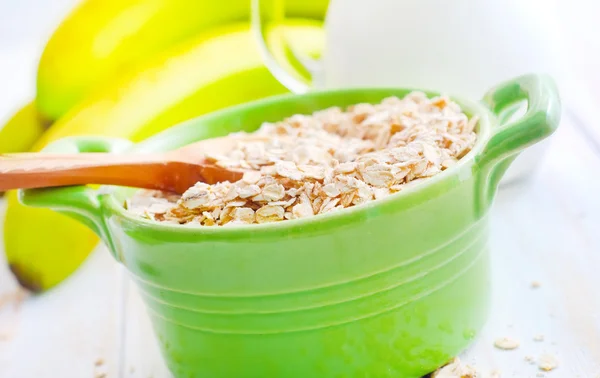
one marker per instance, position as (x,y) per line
(540,120)
(509,138)
(79,202)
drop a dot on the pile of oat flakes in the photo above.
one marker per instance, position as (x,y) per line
(313,164)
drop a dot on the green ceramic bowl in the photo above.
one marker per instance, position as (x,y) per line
(393,288)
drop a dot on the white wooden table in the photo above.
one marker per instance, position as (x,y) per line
(546,230)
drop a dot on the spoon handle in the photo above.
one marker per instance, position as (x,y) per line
(32,170)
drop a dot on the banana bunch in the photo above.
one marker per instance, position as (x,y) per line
(131,68)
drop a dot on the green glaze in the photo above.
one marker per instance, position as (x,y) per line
(393,288)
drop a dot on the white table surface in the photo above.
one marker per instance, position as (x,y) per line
(546,229)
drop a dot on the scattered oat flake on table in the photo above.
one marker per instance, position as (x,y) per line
(307,165)
(506,343)
(547,362)
(535,284)
(455,369)
(99,362)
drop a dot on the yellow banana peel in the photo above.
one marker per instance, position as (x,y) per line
(102,38)
(22,130)
(219,68)
(191,79)
(43,247)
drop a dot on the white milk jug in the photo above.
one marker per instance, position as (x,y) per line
(460,47)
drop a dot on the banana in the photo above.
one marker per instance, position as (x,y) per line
(22,130)
(101,38)
(219,68)
(43,247)
(200,76)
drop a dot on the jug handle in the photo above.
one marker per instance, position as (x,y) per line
(79,202)
(509,138)
(294,73)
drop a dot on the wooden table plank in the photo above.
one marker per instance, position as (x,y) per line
(141,355)
(547,231)
(62,333)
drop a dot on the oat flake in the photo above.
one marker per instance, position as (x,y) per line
(455,369)
(506,343)
(547,362)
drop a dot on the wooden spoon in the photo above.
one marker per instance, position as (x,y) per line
(173,171)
